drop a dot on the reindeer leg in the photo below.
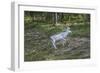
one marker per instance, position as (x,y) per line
(53,42)
(64,42)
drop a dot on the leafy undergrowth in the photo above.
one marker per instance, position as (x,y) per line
(38,44)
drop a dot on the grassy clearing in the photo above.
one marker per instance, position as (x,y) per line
(38,45)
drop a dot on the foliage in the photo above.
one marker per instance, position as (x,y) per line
(39,26)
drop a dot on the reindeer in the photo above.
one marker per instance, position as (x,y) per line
(61,36)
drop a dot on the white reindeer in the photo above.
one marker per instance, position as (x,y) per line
(61,36)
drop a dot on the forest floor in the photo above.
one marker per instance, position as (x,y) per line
(38,47)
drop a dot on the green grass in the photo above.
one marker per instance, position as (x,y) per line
(39,47)
(49,29)
(80,30)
